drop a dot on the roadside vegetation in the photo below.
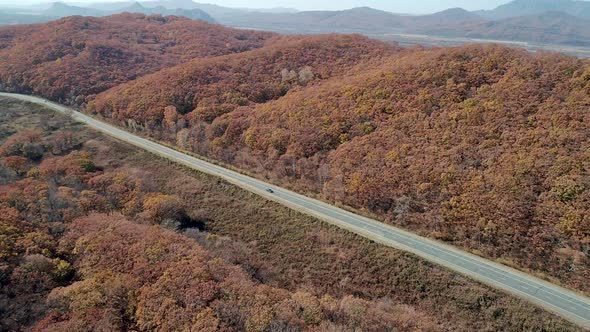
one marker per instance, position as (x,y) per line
(99,235)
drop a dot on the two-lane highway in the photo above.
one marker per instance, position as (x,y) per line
(566,303)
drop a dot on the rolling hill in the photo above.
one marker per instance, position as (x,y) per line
(208,88)
(73,57)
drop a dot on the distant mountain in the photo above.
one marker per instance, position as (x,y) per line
(362,19)
(534,7)
(195,14)
(356,19)
(104,6)
(171,4)
(220,13)
(117,5)
(217,12)
(452,15)
(542,26)
(135,7)
(443,19)
(277,10)
(60,9)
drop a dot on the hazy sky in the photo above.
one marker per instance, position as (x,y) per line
(400,6)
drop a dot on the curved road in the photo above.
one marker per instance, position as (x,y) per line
(568,304)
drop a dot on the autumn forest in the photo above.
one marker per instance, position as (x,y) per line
(484,147)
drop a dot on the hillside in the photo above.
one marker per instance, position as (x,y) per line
(74,57)
(204,89)
(482,146)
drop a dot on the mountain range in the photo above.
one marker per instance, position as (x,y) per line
(60,9)
(558,25)
(555,22)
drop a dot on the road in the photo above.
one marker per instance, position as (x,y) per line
(568,304)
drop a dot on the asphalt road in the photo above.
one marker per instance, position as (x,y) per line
(566,303)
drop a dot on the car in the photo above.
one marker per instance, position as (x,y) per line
(270,191)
